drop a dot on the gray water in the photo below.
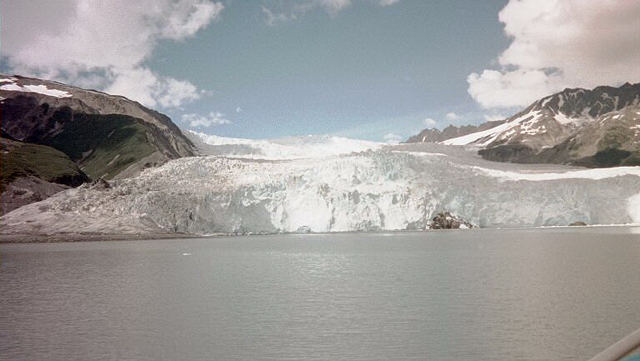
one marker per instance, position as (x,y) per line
(553,294)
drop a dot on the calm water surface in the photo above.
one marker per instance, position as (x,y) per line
(553,294)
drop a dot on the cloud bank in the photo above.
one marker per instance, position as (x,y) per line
(558,44)
(103,44)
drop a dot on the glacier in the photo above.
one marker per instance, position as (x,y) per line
(333,185)
(310,146)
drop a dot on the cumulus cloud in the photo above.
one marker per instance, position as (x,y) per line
(150,89)
(430,122)
(558,44)
(199,121)
(285,10)
(392,138)
(103,44)
(452,116)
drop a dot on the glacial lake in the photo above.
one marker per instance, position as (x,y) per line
(546,294)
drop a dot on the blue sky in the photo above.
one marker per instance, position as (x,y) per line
(370,69)
(364,72)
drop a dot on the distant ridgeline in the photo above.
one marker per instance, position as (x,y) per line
(56,136)
(593,128)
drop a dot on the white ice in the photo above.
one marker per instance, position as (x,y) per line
(379,189)
(41,89)
(312,146)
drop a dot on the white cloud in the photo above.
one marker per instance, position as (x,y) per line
(452,116)
(285,10)
(273,17)
(333,6)
(558,44)
(387,2)
(150,89)
(494,117)
(503,89)
(197,120)
(103,44)
(238,110)
(430,122)
(188,17)
(392,138)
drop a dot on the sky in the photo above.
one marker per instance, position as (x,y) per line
(371,69)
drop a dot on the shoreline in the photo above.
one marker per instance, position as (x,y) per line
(22,238)
(87,237)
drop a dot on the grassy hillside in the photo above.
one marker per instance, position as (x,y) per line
(103,145)
(19,159)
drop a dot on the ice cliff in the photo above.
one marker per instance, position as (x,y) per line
(385,188)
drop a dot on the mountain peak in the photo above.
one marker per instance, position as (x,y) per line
(595,119)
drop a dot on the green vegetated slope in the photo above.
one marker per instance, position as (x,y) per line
(103,145)
(616,148)
(19,159)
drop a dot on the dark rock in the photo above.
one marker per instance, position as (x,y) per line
(578,223)
(100,183)
(446,220)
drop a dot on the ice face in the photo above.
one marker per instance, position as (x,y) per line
(384,189)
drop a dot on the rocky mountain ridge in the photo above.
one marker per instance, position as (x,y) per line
(596,128)
(107,136)
(435,135)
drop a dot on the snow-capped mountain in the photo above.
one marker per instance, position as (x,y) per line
(103,133)
(320,183)
(576,126)
(435,135)
(392,188)
(55,136)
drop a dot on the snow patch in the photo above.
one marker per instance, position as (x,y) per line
(564,119)
(41,89)
(490,135)
(545,101)
(595,174)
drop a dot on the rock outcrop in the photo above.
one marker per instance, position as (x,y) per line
(446,220)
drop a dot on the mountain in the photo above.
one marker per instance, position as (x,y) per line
(105,135)
(32,172)
(400,187)
(434,135)
(596,128)
(55,136)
